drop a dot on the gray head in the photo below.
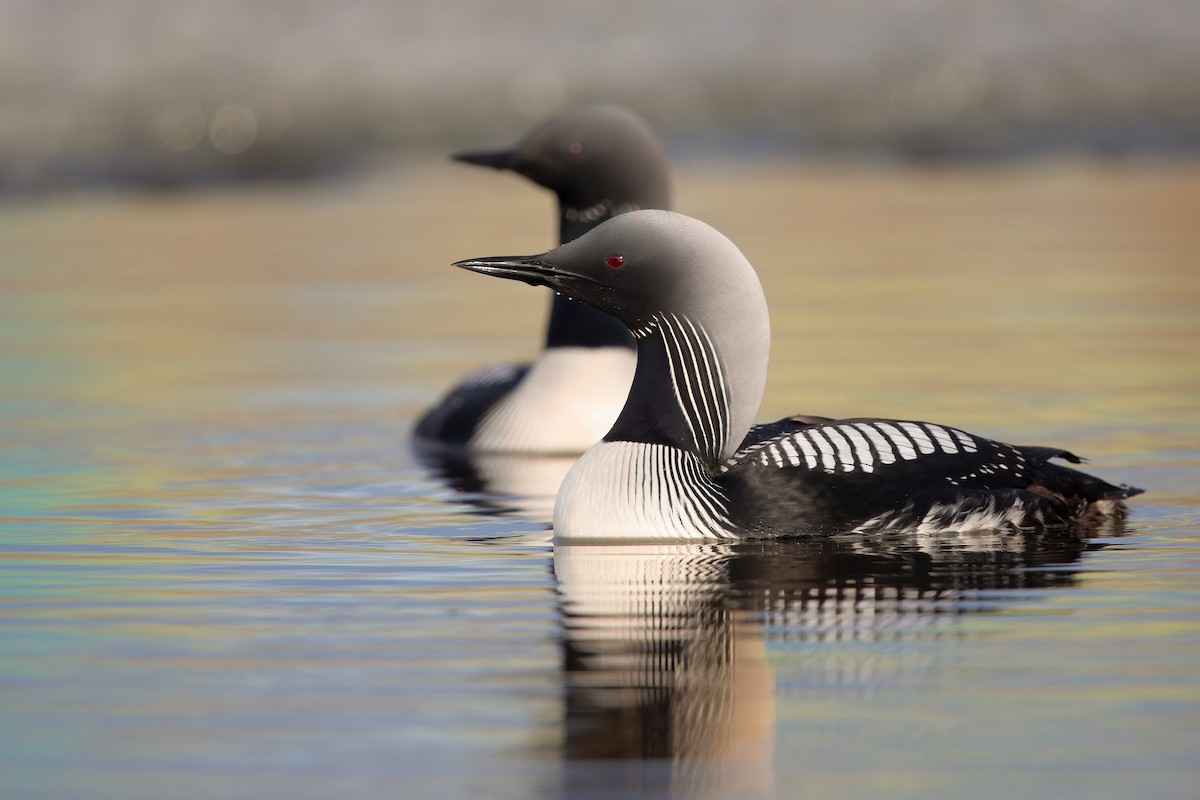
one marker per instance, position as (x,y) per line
(600,160)
(661,273)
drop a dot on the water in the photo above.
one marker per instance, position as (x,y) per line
(225,572)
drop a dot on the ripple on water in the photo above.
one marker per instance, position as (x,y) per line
(225,572)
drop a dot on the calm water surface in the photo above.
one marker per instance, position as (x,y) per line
(226,574)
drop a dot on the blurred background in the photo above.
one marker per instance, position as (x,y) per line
(165,93)
(225,235)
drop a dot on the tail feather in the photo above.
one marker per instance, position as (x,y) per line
(1072,485)
(1076,485)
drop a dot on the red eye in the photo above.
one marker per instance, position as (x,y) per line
(576,148)
(616,260)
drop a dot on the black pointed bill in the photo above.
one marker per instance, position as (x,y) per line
(496,159)
(517,268)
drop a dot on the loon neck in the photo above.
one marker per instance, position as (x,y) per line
(574,221)
(682,396)
(573,324)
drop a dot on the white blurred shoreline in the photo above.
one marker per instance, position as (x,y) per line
(163,93)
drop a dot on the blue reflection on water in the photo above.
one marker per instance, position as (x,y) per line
(298,636)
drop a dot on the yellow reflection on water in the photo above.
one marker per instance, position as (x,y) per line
(208,511)
(1052,299)
(1044,294)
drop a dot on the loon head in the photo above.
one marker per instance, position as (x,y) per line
(600,160)
(682,289)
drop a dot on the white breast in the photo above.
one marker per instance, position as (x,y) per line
(567,401)
(636,491)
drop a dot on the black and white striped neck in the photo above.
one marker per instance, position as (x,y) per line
(680,395)
(678,425)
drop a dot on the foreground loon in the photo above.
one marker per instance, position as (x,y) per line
(600,161)
(678,463)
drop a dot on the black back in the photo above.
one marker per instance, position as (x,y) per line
(775,488)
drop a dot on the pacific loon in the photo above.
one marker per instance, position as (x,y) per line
(678,462)
(600,161)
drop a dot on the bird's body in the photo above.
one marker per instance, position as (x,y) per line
(538,407)
(600,161)
(682,460)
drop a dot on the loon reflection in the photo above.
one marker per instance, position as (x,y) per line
(668,689)
(498,483)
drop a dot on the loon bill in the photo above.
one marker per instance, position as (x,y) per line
(599,161)
(682,460)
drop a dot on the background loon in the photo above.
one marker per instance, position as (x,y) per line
(678,462)
(600,161)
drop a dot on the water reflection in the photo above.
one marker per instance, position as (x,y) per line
(667,682)
(668,690)
(498,483)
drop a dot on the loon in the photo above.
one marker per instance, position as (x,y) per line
(600,161)
(682,461)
